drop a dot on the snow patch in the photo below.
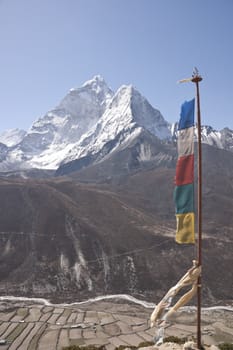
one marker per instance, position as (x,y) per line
(144,153)
(12,137)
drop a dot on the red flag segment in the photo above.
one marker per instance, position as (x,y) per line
(185,170)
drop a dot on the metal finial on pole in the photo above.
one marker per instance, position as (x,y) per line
(196,78)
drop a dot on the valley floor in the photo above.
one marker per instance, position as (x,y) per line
(34,326)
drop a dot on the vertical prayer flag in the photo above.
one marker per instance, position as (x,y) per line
(184,180)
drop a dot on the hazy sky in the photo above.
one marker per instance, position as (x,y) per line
(50,46)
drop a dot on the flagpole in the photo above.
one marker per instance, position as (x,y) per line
(196,78)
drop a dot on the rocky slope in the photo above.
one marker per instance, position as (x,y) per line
(64,239)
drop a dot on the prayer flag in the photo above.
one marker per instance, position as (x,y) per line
(187,115)
(184,198)
(185,141)
(184,180)
(185,170)
(185,228)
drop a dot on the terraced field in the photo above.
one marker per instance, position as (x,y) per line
(43,327)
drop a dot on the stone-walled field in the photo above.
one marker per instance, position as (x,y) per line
(43,327)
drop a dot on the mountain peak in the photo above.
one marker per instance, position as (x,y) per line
(124,95)
(97,83)
(98,86)
(96,79)
(129,89)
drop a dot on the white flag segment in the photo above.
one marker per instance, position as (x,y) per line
(185,80)
(162,312)
(185,144)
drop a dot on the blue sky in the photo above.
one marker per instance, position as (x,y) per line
(50,46)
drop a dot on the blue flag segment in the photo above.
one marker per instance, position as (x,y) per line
(187,114)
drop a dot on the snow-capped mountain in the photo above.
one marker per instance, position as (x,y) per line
(227,139)
(92,121)
(222,139)
(125,116)
(12,137)
(83,123)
